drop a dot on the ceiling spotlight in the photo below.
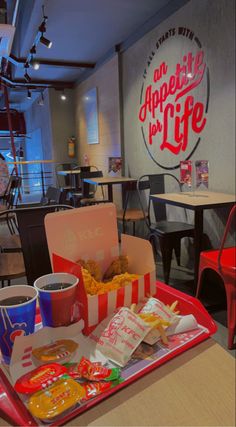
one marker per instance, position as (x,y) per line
(45,41)
(63,96)
(35,64)
(28,94)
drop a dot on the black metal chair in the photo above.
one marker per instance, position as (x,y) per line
(130,212)
(33,239)
(10,200)
(65,182)
(53,196)
(86,196)
(168,233)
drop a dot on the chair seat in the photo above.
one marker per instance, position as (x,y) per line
(172,227)
(10,243)
(11,266)
(68,188)
(91,201)
(131,215)
(228,258)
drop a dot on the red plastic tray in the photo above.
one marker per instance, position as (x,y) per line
(14,411)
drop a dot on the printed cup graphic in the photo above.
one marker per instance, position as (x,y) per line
(58,298)
(17,316)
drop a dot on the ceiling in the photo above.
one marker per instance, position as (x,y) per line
(83,34)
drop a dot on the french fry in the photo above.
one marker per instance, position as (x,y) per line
(133,308)
(163,335)
(173,306)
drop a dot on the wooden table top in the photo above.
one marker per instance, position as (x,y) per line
(109,180)
(197,199)
(197,388)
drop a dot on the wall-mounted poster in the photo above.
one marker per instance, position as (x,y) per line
(186,172)
(91,116)
(202,173)
(114,164)
(174,97)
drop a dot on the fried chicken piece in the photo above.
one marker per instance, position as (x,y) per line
(92,267)
(118,266)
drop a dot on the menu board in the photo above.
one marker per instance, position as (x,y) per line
(202,173)
(186,172)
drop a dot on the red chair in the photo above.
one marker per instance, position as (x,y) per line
(223,262)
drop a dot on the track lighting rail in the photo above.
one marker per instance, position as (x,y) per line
(66,64)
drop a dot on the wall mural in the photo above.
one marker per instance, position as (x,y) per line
(174,98)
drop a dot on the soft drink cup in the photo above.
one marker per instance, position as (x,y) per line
(17,316)
(58,307)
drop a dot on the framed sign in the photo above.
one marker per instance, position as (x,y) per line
(114,164)
(91,116)
(186,172)
(202,173)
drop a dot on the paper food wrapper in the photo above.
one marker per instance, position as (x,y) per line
(118,337)
(181,325)
(23,362)
(178,324)
(91,233)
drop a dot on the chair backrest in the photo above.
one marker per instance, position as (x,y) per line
(85,168)
(33,239)
(129,195)
(52,196)
(12,192)
(229,225)
(156,184)
(62,180)
(87,188)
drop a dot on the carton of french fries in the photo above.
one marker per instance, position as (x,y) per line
(112,275)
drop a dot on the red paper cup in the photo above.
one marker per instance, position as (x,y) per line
(58,307)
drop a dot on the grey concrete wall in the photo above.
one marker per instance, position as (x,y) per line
(63,124)
(213,22)
(39,117)
(105,79)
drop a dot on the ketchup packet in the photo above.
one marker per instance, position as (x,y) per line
(121,336)
(96,372)
(72,370)
(95,388)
